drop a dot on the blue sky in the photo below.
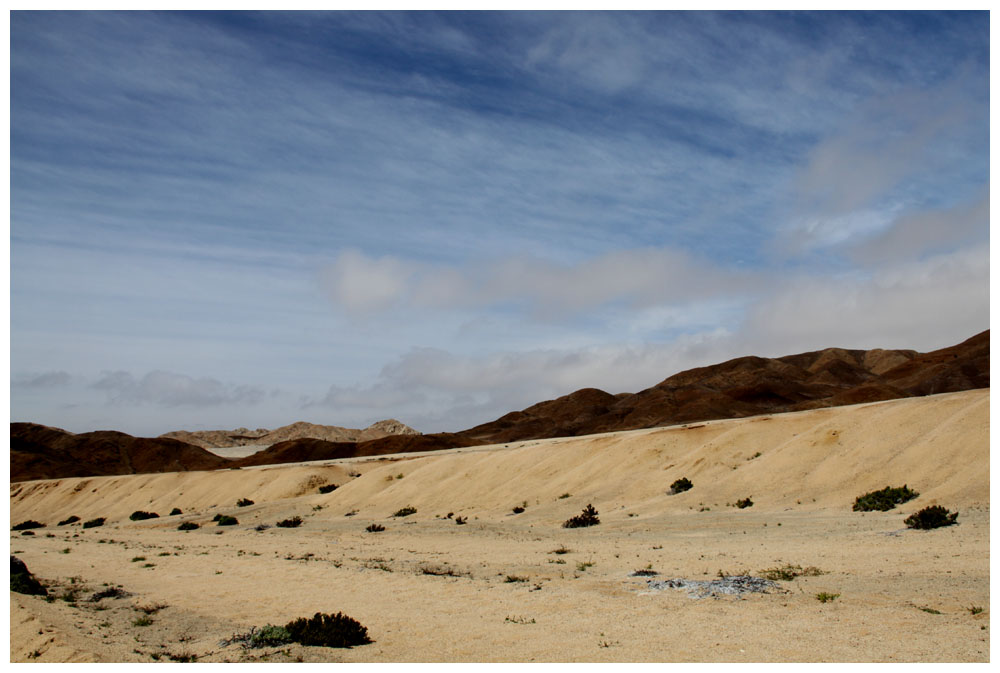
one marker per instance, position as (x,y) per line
(248,219)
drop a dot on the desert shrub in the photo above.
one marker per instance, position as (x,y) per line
(329,488)
(227,521)
(824,597)
(110,592)
(586,518)
(261,527)
(217,516)
(789,572)
(375,528)
(681,485)
(94,523)
(460,520)
(934,516)
(323,630)
(72,519)
(22,581)
(244,502)
(405,511)
(294,522)
(564,496)
(518,509)
(269,636)
(884,500)
(140,515)
(143,620)
(175,511)
(188,525)
(28,525)
(744,503)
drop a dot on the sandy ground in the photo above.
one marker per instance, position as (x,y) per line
(495,590)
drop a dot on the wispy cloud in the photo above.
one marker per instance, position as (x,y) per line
(174,390)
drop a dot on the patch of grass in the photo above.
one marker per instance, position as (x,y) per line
(294,522)
(789,572)
(244,502)
(110,592)
(144,620)
(227,521)
(562,549)
(974,610)
(28,525)
(139,515)
(375,528)
(518,620)
(324,630)
(557,560)
(439,571)
(188,525)
(681,485)
(405,511)
(329,488)
(94,523)
(931,611)
(884,500)
(72,519)
(586,518)
(583,565)
(511,579)
(824,597)
(934,516)
(564,496)
(744,503)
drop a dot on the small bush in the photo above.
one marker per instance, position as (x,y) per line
(405,511)
(518,509)
(188,525)
(329,488)
(22,581)
(227,521)
(244,502)
(375,528)
(261,527)
(511,579)
(824,597)
(744,503)
(28,525)
(72,519)
(175,511)
(269,636)
(217,516)
(144,620)
(563,549)
(884,500)
(110,592)
(681,485)
(934,516)
(586,518)
(94,523)
(564,496)
(294,522)
(141,516)
(460,520)
(323,630)
(789,572)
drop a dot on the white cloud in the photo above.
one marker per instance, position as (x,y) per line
(42,381)
(174,390)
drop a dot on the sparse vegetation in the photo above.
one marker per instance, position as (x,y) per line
(518,509)
(586,518)
(518,620)
(139,515)
(405,511)
(824,597)
(583,565)
(144,620)
(72,519)
(789,572)
(217,516)
(329,488)
(110,592)
(261,527)
(744,503)
(28,525)
(294,522)
(931,611)
(188,525)
(94,523)
(175,511)
(511,579)
(244,502)
(681,485)
(439,571)
(564,496)
(375,528)
(22,581)
(884,500)
(562,549)
(934,516)
(227,521)
(324,630)
(136,559)
(974,610)
(461,520)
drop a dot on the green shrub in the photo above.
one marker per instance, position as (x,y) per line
(405,511)
(244,502)
(586,518)
(323,630)
(744,503)
(72,519)
(375,528)
(188,525)
(28,525)
(175,511)
(681,485)
(140,516)
(269,636)
(294,522)
(788,572)
(934,516)
(329,488)
(94,523)
(227,521)
(884,500)
(824,597)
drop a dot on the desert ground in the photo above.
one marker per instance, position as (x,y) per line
(495,589)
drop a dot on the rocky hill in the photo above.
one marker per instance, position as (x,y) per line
(217,439)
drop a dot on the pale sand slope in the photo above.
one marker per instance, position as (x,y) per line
(219,581)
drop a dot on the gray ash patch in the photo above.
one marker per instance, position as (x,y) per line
(730,585)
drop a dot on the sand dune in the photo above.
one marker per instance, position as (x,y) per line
(811,465)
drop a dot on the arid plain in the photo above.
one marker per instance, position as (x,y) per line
(495,589)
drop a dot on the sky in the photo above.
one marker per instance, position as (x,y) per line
(247,219)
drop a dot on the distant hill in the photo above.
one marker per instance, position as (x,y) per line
(217,439)
(749,386)
(41,452)
(302,450)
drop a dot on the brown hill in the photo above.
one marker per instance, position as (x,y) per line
(217,439)
(41,452)
(750,386)
(306,449)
